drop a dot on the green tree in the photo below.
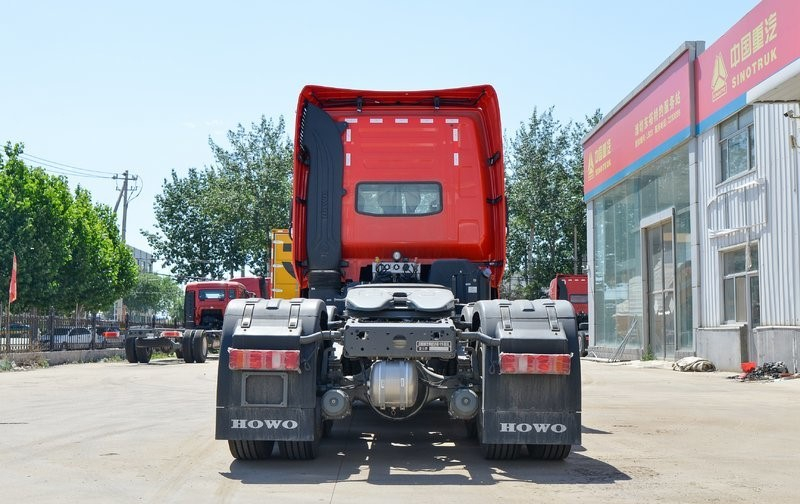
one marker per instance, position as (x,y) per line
(217,221)
(100,269)
(154,292)
(32,225)
(185,242)
(68,251)
(547,215)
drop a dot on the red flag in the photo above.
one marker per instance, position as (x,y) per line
(12,289)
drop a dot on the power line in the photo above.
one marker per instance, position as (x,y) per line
(65,169)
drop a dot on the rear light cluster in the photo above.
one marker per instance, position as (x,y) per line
(264,360)
(514,363)
(111,334)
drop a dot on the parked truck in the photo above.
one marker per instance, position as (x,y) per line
(257,286)
(575,289)
(204,308)
(398,229)
(284,280)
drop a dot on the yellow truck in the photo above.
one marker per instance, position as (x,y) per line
(284,280)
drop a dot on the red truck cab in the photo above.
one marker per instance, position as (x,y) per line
(573,288)
(259,286)
(422,179)
(205,302)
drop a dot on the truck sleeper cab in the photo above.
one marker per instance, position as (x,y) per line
(398,229)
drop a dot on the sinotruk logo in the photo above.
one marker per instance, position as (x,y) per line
(719,80)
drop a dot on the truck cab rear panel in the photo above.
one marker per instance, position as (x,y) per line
(419,172)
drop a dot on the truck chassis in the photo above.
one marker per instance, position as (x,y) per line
(191,345)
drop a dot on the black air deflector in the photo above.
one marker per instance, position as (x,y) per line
(321,139)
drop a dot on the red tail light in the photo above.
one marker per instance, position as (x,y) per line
(264,360)
(171,334)
(512,363)
(111,334)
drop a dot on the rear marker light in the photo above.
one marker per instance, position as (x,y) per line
(171,334)
(264,360)
(513,363)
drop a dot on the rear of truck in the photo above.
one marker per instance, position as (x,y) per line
(575,289)
(398,229)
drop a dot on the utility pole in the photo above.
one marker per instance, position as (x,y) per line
(123,195)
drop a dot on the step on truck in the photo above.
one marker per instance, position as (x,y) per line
(204,308)
(398,229)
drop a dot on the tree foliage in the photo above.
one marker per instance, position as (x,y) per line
(547,214)
(154,292)
(217,220)
(69,250)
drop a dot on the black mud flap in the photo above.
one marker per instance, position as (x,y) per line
(268,424)
(532,409)
(278,405)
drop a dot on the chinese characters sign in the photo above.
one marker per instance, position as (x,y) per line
(657,116)
(754,49)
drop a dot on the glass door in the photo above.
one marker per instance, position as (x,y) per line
(660,262)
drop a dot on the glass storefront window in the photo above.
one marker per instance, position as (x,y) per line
(661,185)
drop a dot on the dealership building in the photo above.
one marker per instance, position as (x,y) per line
(693,208)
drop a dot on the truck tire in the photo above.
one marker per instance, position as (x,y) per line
(199,347)
(549,452)
(186,347)
(178,353)
(305,450)
(143,354)
(499,451)
(299,450)
(250,450)
(130,350)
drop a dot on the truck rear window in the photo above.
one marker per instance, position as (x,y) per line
(211,294)
(398,198)
(579,298)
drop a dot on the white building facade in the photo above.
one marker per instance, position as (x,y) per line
(691,185)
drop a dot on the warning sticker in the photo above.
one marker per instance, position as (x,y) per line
(434,346)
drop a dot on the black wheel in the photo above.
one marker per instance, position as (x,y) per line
(199,346)
(186,347)
(299,450)
(250,450)
(549,452)
(130,350)
(304,450)
(499,451)
(143,354)
(178,353)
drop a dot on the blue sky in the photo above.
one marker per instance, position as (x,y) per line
(141,86)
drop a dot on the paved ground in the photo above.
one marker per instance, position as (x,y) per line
(119,432)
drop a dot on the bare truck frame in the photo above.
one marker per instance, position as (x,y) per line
(203,309)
